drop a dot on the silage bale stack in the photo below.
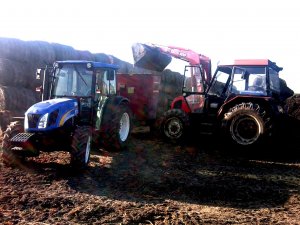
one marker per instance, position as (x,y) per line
(64,52)
(14,73)
(41,53)
(292,106)
(14,49)
(170,87)
(85,55)
(124,67)
(18,63)
(102,57)
(17,77)
(16,98)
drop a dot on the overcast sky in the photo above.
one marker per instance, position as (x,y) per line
(222,30)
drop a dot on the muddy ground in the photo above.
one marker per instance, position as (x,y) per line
(154,182)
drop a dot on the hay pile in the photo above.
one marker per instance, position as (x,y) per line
(170,87)
(292,106)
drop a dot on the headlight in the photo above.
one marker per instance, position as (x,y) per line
(26,122)
(43,121)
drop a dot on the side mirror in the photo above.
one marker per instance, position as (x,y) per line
(111,75)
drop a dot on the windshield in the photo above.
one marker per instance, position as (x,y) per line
(72,80)
(251,80)
(193,80)
(239,80)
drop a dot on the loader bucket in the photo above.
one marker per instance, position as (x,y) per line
(149,57)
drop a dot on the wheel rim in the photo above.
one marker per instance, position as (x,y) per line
(87,150)
(173,128)
(124,127)
(245,129)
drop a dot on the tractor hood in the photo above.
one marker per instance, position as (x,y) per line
(53,104)
(50,114)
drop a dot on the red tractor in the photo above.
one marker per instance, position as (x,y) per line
(243,100)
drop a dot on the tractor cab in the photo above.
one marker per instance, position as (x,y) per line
(82,79)
(247,78)
(90,83)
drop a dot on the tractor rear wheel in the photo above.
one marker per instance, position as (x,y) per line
(115,127)
(8,156)
(81,147)
(246,124)
(174,125)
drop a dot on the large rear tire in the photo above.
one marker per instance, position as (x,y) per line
(81,147)
(116,127)
(247,124)
(174,124)
(8,156)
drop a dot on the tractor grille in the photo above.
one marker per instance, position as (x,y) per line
(21,137)
(33,120)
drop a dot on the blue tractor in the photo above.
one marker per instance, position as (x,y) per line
(80,111)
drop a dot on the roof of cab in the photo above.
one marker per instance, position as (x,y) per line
(253,62)
(94,64)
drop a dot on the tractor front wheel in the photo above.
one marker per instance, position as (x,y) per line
(174,125)
(81,147)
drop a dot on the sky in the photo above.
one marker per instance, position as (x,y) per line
(221,30)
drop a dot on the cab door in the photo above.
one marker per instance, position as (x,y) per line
(218,90)
(193,89)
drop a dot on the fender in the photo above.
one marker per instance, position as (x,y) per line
(239,99)
(180,103)
(113,102)
(117,100)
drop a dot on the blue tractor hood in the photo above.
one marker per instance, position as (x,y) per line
(52,104)
(59,110)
